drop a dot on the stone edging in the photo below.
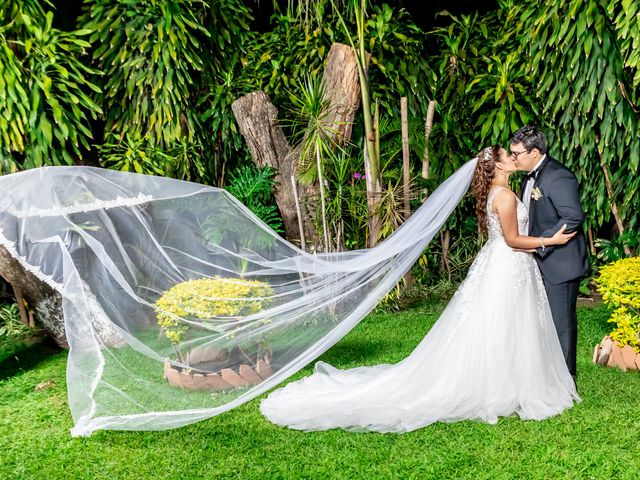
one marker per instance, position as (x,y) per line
(609,353)
(226,379)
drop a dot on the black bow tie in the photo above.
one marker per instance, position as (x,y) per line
(532,174)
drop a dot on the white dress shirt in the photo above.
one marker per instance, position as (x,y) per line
(526,196)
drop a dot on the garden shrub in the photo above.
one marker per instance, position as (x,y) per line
(619,284)
(209,299)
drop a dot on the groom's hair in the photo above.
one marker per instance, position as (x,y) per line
(531,137)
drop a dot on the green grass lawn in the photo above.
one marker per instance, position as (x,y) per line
(598,438)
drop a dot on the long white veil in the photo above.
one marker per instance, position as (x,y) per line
(179,303)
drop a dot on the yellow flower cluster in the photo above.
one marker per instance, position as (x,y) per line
(206,298)
(619,284)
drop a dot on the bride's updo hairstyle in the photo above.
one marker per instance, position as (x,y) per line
(481,183)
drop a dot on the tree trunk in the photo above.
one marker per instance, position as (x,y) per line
(342,89)
(257,119)
(40,298)
(614,206)
(45,303)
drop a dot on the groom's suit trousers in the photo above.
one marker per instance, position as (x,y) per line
(562,299)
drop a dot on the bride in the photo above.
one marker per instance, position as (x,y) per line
(493,352)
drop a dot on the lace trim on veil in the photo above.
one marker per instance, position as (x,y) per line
(81,207)
(11,248)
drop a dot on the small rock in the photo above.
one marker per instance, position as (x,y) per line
(616,359)
(605,350)
(230,376)
(43,385)
(264,369)
(249,374)
(629,357)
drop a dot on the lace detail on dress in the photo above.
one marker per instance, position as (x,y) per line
(528,264)
(493,222)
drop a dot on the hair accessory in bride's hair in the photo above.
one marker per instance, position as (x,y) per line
(486,154)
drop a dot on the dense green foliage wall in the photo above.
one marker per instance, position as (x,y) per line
(45,89)
(147,86)
(571,68)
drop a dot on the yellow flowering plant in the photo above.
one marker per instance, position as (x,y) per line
(215,304)
(619,284)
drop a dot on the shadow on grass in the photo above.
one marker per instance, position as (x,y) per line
(360,350)
(28,357)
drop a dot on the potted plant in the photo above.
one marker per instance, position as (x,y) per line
(190,311)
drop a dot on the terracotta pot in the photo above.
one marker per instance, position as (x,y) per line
(221,376)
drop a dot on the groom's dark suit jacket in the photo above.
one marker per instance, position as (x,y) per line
(559,204)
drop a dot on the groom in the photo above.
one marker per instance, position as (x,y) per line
(550,191)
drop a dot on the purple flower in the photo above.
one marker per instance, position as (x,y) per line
(359,176)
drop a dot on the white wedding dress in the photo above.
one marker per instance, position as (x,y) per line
(493,352)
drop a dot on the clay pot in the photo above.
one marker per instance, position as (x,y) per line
(217,376)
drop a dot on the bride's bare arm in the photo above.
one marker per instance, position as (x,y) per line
(505,205)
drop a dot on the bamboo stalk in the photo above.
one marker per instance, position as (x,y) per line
(592,246)
(376,122)
(371,155)
(428,126)
(324,208)
(374,191)
(221,181)
(406,167)
(405,156)
(303,243)
(368,121)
